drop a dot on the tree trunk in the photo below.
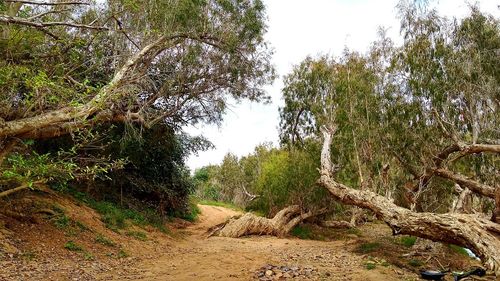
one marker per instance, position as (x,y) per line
(496,212)
(249,224)
(463,202)
(480,235)
(70,118)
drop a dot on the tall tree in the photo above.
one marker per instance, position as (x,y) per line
(194,55)
(66,67)
(430,122)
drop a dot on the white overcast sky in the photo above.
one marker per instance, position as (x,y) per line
(296,29)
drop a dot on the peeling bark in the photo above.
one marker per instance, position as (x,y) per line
(480,235)
(249,224)
(474,186)
(463,202)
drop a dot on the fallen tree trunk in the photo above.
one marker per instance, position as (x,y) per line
(480,235)
(249,224)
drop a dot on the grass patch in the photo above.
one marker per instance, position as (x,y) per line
(28,255)
(122,254)
(415,263)
(72,246)
(458,250)
(58,209)
(112,216)
(368,247)
(220,204)
(137,235)
(355,231)
(384,263)
(302,232)
(370,265)
(116,217)
(101,239)
(408,241)
(62,221)
(81,226)
(70,226)
(315,232)
(193,212)
(88,256)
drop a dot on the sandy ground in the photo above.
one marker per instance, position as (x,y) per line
(196,257)
(35,250)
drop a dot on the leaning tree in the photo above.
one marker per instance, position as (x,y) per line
(67,66)
(468,230)
(423,119)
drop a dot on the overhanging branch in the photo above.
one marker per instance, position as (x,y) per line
(43,25)
(465,230)
(19,188)
(47,3)
(477,187)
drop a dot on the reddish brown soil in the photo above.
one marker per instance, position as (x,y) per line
(34,250)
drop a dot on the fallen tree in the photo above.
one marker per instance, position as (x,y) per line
(249,224)
(478,234)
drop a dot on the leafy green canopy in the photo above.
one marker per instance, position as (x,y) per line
(397,107)
(155,175)
(215,50)
(266,180)
(58,58)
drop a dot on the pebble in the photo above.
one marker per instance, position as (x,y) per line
(274,272)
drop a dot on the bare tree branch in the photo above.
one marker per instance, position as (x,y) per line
(48,13)
(251,196)
(48,3)
(43,25)
(466,230)
(19,188)
(477,187)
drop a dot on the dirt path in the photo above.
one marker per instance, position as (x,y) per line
(195,257)
(211,216)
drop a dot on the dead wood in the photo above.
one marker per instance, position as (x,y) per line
(249,224)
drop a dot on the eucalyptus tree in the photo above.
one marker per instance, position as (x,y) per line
(320,91)
(325,90)
(444,104)
(434,103)
(67,66)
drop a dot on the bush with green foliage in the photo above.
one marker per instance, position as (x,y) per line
(63,87)
(277,177)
